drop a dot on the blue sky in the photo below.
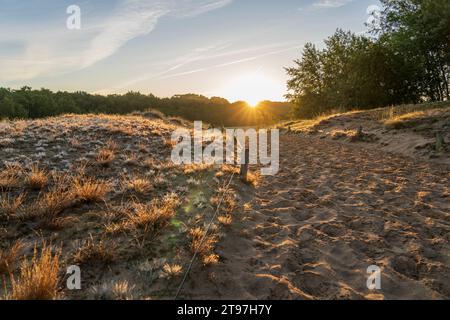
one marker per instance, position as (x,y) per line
(232,48)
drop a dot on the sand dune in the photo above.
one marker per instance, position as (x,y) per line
(333,210)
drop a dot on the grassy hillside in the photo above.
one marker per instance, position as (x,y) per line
(100,192)
(416,130)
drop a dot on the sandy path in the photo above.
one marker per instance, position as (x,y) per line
(332,211)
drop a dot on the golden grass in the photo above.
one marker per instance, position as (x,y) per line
(153,216)
(404,120)
(205,247)
(225,220)
(387,114)
(143,220)
(51,204)
(89,190)
(105,156)
(11,177)
(8,257)
(172,270)
(92,251)
(39,278)
(253,179)
(37,179)
(210,259)
(139,185)
(11,207)
(114,291)
(390,113)
(122,291)
(194,167)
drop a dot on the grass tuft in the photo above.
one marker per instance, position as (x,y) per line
(37,179)
(38,279)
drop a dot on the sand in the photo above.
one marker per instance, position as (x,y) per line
(333,210)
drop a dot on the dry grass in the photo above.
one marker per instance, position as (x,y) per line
(114,291)
(139,185)
(404,121)
(172,270)
(50,205)
(194,167)
(8,257)
(144,220)
(201,244)
(105,156)
(89,190)
(131,159)
(390,113)
(169,143)
(37,179)
(384,115)
(225,220)
(210,259)
(38,279)
(11,207)
(11,177)
(94,252)
(153,216)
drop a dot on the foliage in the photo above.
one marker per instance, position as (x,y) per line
(28,103)
(405,60)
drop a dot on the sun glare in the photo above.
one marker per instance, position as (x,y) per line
(253,88)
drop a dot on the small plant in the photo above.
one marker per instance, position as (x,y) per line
(11,206)
(89,190)
(51,204)
(37,179)
(113,291)
(210,259)
(139,185)
(201,244)
(225,220)
(94,252)
(172,270)
(105,156)
(153,216)
(10,177)
(38,279)
(8,257)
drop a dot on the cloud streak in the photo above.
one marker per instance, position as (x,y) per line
(52,50)
(327,4)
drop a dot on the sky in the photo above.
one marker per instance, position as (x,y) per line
(236,49)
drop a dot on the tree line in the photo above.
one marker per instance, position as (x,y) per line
(404,58)
(28,103)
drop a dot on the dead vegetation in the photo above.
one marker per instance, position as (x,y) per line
(11,206)
(89,190)
(11,177)
(412,130)
(105,189)
(139,185)
(105,156)
(9,257)
(145,221)
(38,278)
(203,244)
(94,252)
(37,179)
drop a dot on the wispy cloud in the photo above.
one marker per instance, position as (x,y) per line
(52,50)
(233,62)
(209,57)
(327,4)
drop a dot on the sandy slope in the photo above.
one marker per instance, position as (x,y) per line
(333,210)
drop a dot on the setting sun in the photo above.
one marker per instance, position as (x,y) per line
(253,88)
